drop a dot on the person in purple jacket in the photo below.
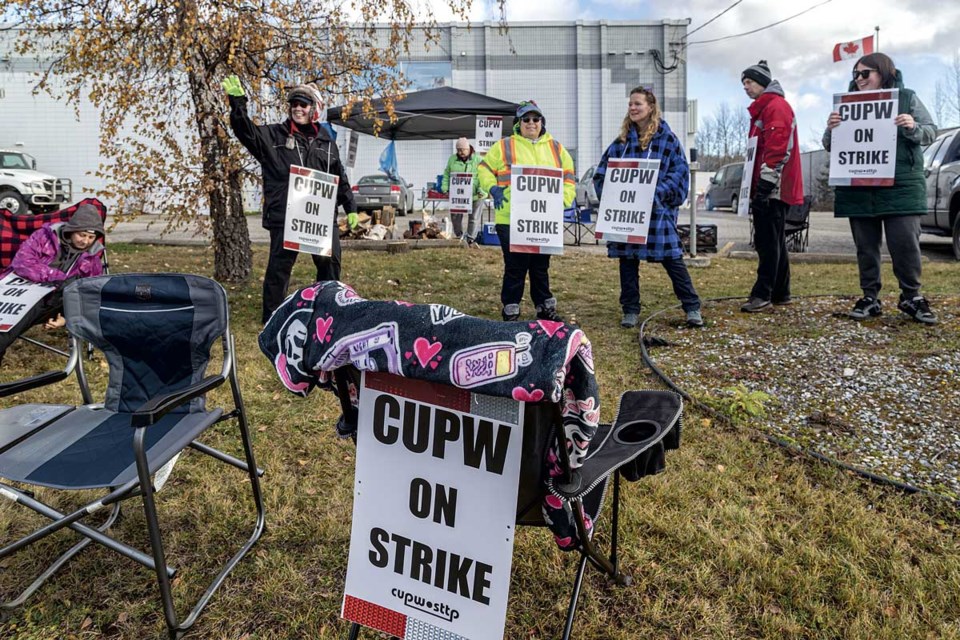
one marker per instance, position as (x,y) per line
(56,253)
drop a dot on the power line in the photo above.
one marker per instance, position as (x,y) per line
(712,19)
(747,33)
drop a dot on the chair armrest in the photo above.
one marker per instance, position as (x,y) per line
(155,408)
(33,382)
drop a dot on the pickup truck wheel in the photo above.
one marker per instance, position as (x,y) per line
(13,202)
(956,237)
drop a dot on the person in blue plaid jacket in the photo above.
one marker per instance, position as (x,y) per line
(644,134)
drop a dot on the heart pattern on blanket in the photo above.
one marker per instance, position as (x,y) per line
(323,326)
(522,395)
(425,351)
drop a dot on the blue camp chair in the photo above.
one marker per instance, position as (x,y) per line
(156,331)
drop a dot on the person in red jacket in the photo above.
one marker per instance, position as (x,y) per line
(777,183)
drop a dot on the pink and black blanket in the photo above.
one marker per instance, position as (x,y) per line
(328,325)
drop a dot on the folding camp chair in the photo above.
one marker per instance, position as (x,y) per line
(797,225)
(579,223)
(647,424)
(16,228)
(156,331)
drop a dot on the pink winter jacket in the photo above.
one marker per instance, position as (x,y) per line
(33,258)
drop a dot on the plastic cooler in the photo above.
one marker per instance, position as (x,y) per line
(488,234)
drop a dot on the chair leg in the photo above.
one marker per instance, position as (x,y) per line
(574,597)
(59,562)
(354,631)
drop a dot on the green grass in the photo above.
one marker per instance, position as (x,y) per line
(737,539)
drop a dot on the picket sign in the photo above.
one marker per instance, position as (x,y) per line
(437,476)
(17,297)
(536,210)
(743,201)
(626,204)
(309,223)
(863,147)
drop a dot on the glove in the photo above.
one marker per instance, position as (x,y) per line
(352,220)
(498,198)
(231,84)
(767,184)
(764,190)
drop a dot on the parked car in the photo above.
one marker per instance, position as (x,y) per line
(23,189)
(724,187)
(941,163)
(586,193)
(379,190)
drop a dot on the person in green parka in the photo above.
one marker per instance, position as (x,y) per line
(892,210)
(465,160)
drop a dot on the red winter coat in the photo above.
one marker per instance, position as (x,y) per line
(773,123)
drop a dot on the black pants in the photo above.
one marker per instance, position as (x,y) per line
(679,277)
(515,269)
(280,264)
(47,307)
(773,269)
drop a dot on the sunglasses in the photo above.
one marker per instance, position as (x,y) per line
(531,119)
(863,73)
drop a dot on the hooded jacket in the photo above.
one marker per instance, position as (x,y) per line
(470,165)
(34,257)
(312,147)
(908,194)
(544,151)
(774,125)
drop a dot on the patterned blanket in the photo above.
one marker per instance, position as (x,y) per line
(327,325)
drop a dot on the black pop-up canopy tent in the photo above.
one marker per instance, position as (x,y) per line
(443,113)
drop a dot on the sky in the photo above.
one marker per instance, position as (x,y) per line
(919,35)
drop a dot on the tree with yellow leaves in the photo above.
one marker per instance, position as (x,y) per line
(153,69)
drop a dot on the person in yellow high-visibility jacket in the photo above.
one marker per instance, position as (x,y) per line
(530,145)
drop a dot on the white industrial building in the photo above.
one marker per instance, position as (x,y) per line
(580,73)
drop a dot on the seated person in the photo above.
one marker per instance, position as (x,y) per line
(56,253)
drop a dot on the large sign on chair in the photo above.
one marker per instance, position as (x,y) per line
(434,509)
(17,297)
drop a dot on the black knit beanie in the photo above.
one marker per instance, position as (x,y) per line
(759,73)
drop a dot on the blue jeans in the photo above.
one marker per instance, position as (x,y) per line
(679,276)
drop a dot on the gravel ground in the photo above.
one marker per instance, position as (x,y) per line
(881,395)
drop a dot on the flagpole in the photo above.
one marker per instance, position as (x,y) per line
(876,40)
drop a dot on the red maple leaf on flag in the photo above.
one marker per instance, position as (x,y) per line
(851,47)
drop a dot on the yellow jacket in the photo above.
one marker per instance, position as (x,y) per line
(544,152)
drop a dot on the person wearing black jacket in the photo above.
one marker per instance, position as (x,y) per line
(298,140)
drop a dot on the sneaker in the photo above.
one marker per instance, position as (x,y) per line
(754,304)
(694,318)
(629,320)
(866,307)
(511,313)
(918,309)
(549,313)
(783,301)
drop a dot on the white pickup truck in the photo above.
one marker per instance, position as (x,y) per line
(941,162)
(23,189)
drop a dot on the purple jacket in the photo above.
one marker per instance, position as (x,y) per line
(34,256)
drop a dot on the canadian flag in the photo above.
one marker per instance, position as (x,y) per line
(853,50)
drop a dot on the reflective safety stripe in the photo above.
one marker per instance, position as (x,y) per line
(509,152)
(555,147)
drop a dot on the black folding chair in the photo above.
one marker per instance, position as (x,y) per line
(647,424)
(156,331)
(797,226)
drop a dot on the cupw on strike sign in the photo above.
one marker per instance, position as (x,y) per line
(17,296)
(536,210)
(311,207)
(863,147)
(629,188)
(434,508)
